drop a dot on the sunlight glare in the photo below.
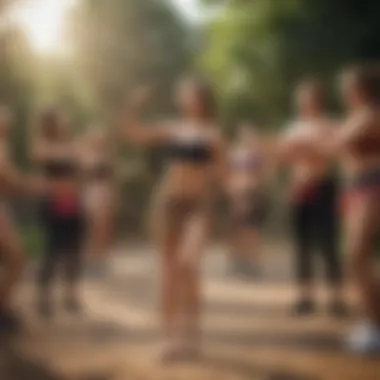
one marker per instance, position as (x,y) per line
(43,21)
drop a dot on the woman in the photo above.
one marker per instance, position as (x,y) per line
(183,206)
(61,210)
(11,252)
(313,198)
(360,143)
(99,196)
(248,176)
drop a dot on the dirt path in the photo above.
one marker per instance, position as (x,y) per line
(248,332)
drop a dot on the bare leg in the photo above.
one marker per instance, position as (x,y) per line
(101,226)
(195,235)
(251,239)
(167,239)
(363,223)
(13,260)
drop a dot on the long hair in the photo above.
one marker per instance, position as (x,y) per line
(205,94)
(366,79)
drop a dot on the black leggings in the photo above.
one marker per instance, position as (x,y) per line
(63,244)
(316,226)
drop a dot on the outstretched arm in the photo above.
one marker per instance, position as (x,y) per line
(134,131)
(353,131)
(14,182)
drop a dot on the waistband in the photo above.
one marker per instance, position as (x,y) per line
(307,192)
(366,180)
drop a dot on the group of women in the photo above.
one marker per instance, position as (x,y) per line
(316,151)
(73,186)
(331,164)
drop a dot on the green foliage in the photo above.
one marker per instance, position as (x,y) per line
(257,50)
(16,88)
(119,44)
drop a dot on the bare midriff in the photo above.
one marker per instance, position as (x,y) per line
(309,170)
(186,181)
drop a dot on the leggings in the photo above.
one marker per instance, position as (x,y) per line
(315,223)
(63,244)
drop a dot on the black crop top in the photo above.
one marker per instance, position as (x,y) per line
(197,152)
(60,169)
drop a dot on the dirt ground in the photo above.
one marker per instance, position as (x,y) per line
(249,332)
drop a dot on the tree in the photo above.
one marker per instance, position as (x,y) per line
(16,86)
(273,44)
(119,44)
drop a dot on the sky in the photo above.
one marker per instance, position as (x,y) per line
(189,8)
(43,19)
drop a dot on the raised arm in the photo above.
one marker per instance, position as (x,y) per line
(353,131)
(12,181)
(136,132)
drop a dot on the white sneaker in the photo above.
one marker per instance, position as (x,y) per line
(365,339)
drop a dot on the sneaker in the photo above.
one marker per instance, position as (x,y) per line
(304,307)
(365,339)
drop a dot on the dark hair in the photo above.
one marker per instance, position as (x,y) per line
(48,123)
(316,88)
(366,79)
(205,94)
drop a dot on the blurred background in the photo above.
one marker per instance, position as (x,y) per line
(86,55)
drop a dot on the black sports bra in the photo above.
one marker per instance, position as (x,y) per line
(60,169)
(196,152)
